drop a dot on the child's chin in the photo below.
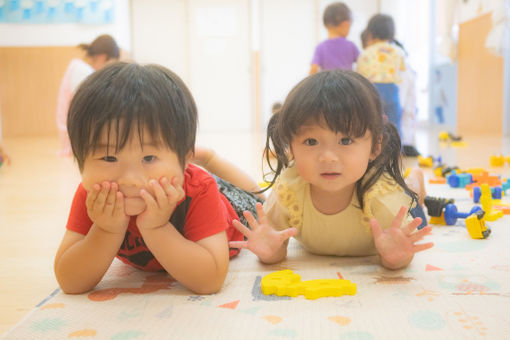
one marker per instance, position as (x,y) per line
(134,206)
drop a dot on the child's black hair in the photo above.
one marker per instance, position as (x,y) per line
(126,96)
(347,103)
(381,26)
(335,14)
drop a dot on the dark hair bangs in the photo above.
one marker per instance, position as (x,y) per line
(123,99)
(341,104)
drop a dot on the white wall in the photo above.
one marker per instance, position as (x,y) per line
(207,43)
(287,39)
(68,34)
(160,34)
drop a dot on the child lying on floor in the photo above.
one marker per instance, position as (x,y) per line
(132,130)
(337,186)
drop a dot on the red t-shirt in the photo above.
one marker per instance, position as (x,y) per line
(203,212)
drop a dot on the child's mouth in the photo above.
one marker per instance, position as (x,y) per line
(330,175)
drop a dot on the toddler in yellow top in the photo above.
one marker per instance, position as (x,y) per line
(382,62)
(337,185)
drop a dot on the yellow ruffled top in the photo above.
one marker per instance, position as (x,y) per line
(345,233)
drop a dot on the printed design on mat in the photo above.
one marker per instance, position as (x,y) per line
(53,306)
(502,268)
(467,284)
(128,335)
(257,294)
(357,335)
(393,280)
(462,246)
(273,319)
(341,320)
(151,284)
(429,294)
(426,320)
(284,333)
(82,333)
(470,323)
(48,325)
(230,305)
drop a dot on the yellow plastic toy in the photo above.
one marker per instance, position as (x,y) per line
(476,227)
(486,202)
(286,283)
(443,136)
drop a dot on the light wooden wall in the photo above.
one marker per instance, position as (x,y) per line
(480,81)
(29,83)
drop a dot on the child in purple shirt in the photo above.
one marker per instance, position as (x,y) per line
(336,52)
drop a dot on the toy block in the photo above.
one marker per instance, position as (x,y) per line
(505,185)
(286,283)
(486,202)
(475,225)
(451,213)
(459,180)
(435,205)
(496,193)
(437,180)
(443,136)
(427,162)
(497,160)
(486,178)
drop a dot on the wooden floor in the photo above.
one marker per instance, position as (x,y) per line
(37,188)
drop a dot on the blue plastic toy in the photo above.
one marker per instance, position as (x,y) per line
(496,193)
(451,214)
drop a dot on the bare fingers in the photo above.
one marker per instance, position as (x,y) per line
(422,246)
(242,228)
(411,226)
(397,221)
(238,244)
(287,233)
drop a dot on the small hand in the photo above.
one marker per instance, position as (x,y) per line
(160,206)
(262,239)
(105,207)
(396,245)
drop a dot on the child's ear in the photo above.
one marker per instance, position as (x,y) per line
(376,149)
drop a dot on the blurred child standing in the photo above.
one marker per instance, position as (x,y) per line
(407,94)
(382,62)
(101,51)
(336,52)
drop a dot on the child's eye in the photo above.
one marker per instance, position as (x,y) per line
(109,159)
(345,141)
(149,159)
(311,141)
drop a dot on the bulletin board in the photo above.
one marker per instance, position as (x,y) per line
(57,11)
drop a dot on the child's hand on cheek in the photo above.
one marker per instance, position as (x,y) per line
(105,207)
(396,245)
(161,205)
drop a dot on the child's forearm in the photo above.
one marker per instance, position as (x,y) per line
(198,268)
(81,266)
(221,167)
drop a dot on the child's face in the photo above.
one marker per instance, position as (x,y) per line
(331,162)
(131,168)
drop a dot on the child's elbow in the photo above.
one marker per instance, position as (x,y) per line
(208,288)
(73,290)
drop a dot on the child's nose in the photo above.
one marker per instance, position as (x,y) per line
(132,178)
(328,156)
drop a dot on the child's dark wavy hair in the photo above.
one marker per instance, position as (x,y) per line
(125,96)
(349,104)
